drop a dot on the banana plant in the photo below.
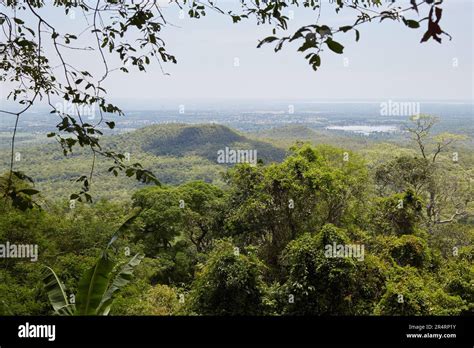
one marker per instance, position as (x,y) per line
(97,287)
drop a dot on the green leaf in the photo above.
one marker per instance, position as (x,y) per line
(57,293)
(267,40)
(307,45)
(29,191)
(411,23)
(22,176)
(315,61)
(345,28)
(122,278)
(334,46)
(93,285)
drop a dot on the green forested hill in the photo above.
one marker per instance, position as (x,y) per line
(288,135)
(176,153)
(179,140)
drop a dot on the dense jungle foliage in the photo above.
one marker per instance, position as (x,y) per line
(255,244)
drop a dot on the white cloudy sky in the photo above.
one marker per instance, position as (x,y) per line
(388,62)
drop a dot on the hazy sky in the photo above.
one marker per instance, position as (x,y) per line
(388,62)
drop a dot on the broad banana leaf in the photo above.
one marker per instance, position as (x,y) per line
(93,285)
(57,293)
(121,279)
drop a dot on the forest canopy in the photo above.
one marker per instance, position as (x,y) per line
(322,232)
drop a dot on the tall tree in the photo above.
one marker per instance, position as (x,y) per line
(448,185)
